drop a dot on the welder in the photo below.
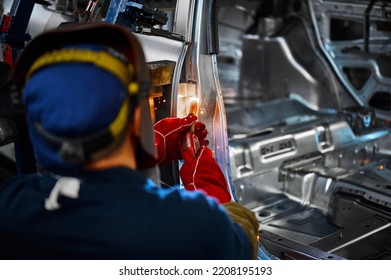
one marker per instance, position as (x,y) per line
(85,91)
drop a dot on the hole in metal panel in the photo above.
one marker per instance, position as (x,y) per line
(345,30)
(264,213)
(381,100)
(357,76)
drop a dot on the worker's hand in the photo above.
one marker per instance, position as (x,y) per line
(203,173)
(201,133)
(247,221)
(169,134)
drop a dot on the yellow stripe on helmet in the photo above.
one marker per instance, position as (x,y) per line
(118,125)
(102,59)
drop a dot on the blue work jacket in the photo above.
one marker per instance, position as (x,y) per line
(118,214)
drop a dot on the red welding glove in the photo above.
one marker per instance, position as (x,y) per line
(201,133)
(169,134)
(203,173)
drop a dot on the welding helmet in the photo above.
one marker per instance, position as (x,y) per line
(80,85)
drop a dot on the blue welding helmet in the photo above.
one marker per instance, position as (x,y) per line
(80,85)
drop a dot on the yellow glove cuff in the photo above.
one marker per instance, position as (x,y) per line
(247,220)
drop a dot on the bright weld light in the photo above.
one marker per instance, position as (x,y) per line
(187,99)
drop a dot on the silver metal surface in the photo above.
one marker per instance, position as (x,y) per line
(317,182)
(184,18)
(350,53)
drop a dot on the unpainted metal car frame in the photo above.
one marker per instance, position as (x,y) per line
(296,98)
